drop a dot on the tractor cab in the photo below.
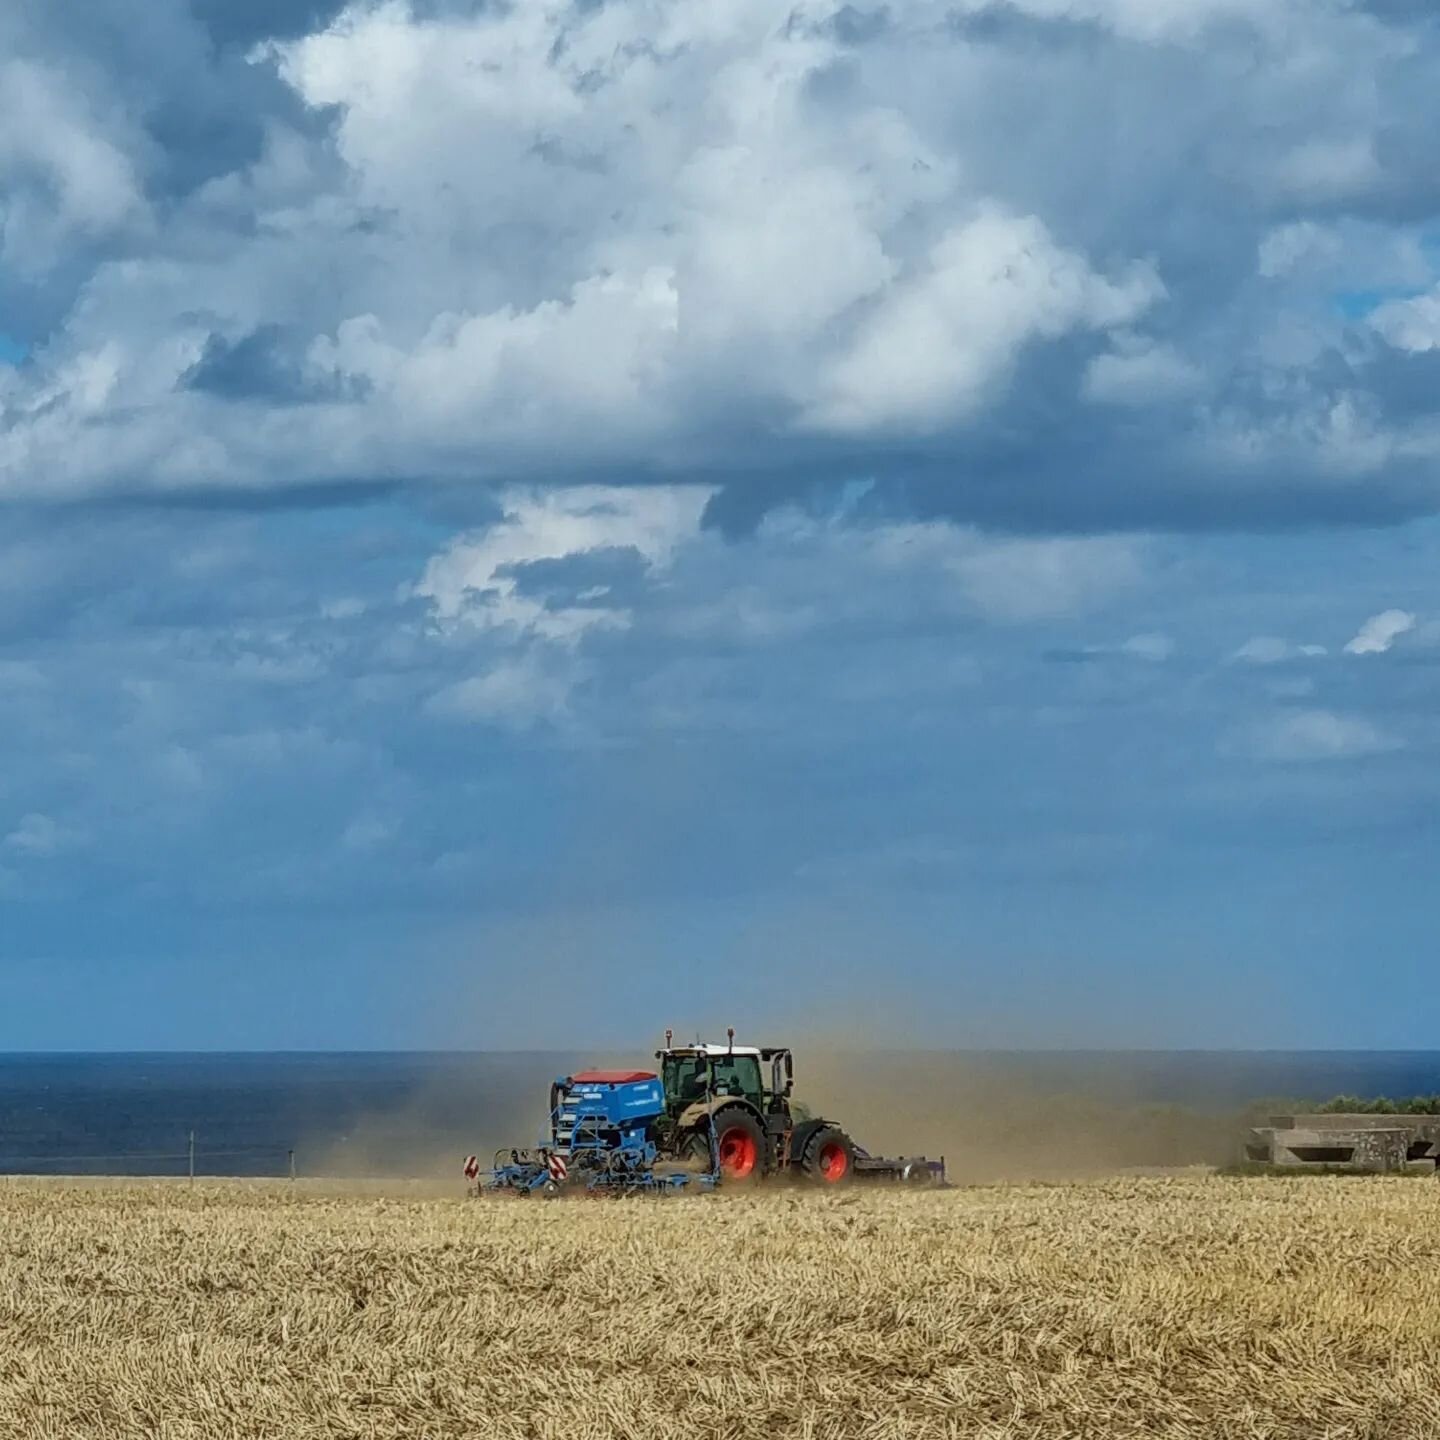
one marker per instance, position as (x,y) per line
(693,1074)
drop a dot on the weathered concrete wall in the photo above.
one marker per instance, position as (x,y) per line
(1373,1143)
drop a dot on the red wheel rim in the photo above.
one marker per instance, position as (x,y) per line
(738,1153)
(834,1162)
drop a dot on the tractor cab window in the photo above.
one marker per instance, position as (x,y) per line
(732,1075)
(684,1079)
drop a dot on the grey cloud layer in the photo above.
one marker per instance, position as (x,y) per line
(1051,263)
(205,707)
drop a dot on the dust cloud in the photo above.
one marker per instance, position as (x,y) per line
(463,1105)
(996,1117)
(993,1116)
(1028,1114)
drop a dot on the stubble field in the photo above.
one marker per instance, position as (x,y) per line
(1175,1306)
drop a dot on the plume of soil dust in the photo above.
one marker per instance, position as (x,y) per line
(992,1122)
(498,1101)
(992,1118)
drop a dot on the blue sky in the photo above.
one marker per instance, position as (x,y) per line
(528,525)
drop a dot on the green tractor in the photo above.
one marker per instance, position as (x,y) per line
(728,1109)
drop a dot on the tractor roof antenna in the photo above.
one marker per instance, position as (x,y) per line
(667,1038)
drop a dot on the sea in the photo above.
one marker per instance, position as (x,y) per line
(419,1114)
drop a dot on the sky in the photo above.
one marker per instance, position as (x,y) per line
(525,524)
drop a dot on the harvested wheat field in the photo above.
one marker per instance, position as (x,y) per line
(1158,1307)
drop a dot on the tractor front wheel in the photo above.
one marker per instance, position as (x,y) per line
(829,1157)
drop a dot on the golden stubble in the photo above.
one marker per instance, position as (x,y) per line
(1189,1305)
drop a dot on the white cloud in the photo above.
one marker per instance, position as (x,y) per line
(39,837)
(933,352)
(472,578)
(1322,169)
(1139,372)
(1287,248)
(801,574)
(1380,632)
(1152,20)
(693,233)
(62,175)
(1412,325)
(1024,580)
(1152,647)
(1003,579)
(517,693)
(671,252)
(563,243)
(473,586)
(1273,650)
(1312,735)
(347,607)
(596,356)
(1291,688)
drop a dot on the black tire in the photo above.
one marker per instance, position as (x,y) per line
(739,1142)
(694,1151)
(828,1157)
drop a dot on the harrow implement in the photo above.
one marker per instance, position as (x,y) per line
(521,1172)
(591,1163)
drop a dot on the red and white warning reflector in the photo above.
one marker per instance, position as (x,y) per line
(472,1167)
(559,1171)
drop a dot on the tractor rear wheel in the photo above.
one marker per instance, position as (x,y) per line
(739,1142)
(829,1156)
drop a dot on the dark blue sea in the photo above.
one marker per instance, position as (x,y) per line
(419,1114)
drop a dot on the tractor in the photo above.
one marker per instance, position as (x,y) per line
(712,1114)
